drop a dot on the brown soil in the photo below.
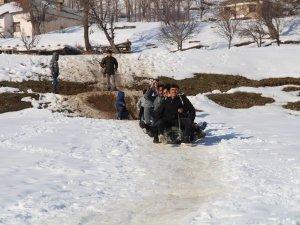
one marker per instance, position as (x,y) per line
(90,94)
(293,106)
(240,100)
(10,102)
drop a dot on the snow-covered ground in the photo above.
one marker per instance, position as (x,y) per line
(147,61)
(61,170)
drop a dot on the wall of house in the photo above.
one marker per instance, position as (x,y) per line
(59,23)
(1,24)
(25,25)
(242,10)
(6,25)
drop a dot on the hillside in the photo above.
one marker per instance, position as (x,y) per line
(58,167)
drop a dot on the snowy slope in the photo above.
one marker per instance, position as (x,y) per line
(61,170)
(146,61)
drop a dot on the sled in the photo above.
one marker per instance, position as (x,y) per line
(174,135)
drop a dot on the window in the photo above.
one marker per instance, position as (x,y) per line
(252,8)
(17,27)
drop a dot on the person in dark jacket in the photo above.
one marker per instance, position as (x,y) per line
(110,65)
(121,111)
(54,68)
(173,112)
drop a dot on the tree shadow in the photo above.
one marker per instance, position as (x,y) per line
(291,28)
(139,43)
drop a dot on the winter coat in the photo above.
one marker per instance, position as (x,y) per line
(157,101)
(141,102)
(120,99)
(54,65)
(110,64)
(168,109)
(122,112)
(188,108)
(150,96)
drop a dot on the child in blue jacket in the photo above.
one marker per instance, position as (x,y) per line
(121,111)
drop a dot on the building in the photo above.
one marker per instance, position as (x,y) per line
(14,21)
(242,9)
(3,2)
(7,24)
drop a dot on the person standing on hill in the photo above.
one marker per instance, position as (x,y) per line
(54,68)
(110,65)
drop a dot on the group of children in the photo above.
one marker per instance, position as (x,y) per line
(164,114)
(168,116)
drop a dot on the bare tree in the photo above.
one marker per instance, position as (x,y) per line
(86,8)
(128,10)
(177,32)
(271,13)
(168,11)
(37,10)
(291,7)
(256,30)
(6,33)
(227,26)
(106,23)
(187,9)
(29,41)
(203,7)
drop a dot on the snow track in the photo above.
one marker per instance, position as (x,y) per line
(54,175)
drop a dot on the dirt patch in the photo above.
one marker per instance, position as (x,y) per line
(10,102)
(90,94)
(291,88)
(293,106)
(202,83)
(240,100)
(44,86)
(106,102)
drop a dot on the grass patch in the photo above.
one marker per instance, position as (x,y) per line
(10,102)
(292,106)
(240,100)
(291,88)
(202,83)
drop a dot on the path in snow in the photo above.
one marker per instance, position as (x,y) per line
(107,172)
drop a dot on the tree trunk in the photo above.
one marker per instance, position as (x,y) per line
(188,10)
(127,4)
(86,10)
(111,41)
(101,9)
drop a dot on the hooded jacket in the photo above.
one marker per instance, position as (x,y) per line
(54,65)
(120,100)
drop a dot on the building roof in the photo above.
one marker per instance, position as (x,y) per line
(9,8)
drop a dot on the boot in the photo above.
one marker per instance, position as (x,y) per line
(155,138)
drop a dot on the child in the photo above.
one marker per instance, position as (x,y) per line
(121,111)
